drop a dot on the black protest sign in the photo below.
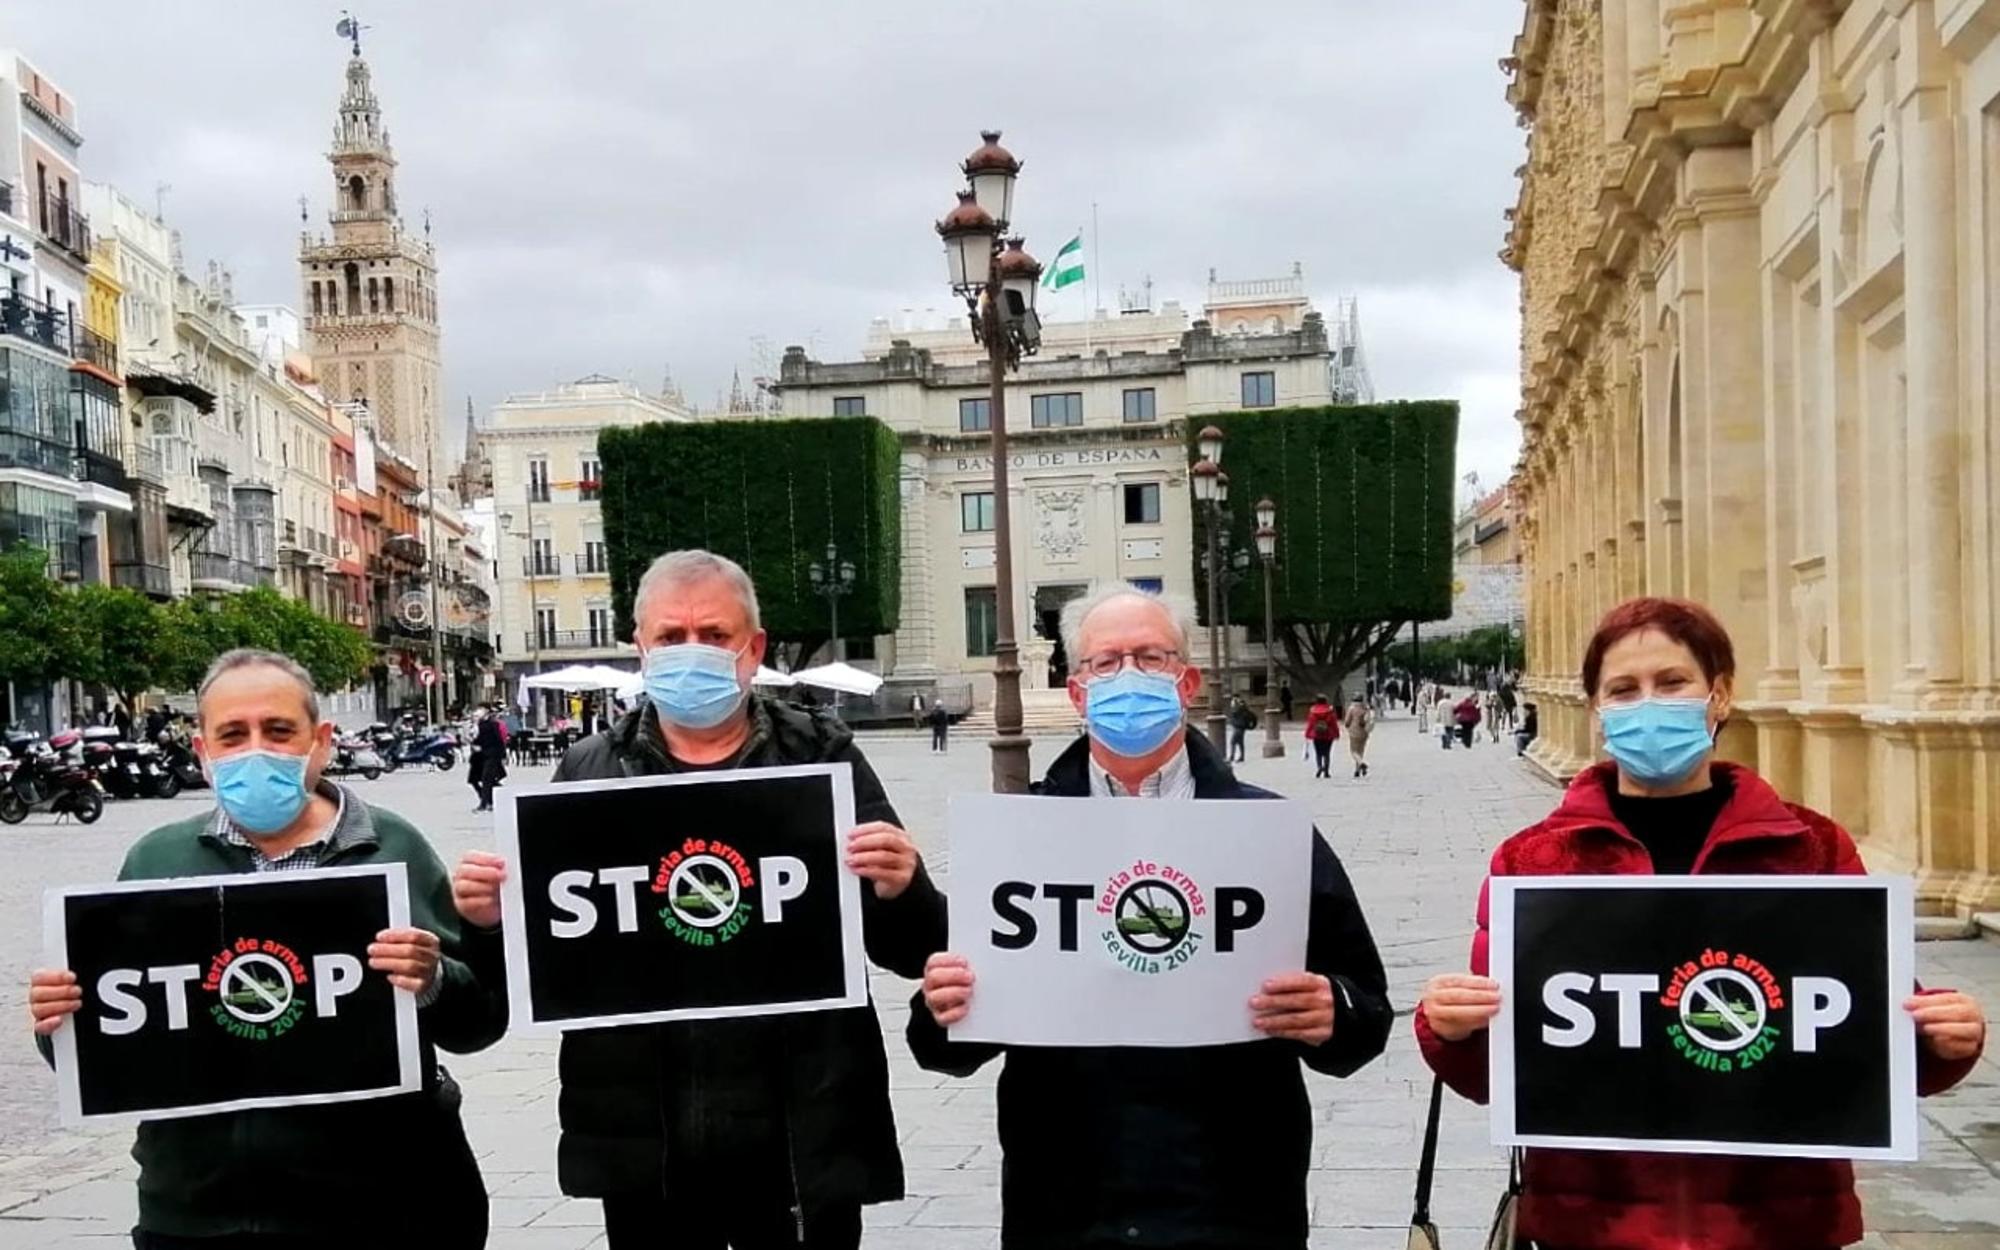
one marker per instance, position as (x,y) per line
(1731,1015)
(206,994)
(682,897)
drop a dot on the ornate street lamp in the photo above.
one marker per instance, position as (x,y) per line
(1211,490)
(999,292)
(1267,550)
(833,580)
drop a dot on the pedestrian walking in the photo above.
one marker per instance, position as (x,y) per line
(486,765)
(1359,722)
(1420,700)
(1466,717)
(1147,1146)
(752,1131)
(1509,699)
(1492,713)
(1660,676)
(1285,701)
(320,1175)
(919,714)
(1322,727)
(940,728)
(1241,721)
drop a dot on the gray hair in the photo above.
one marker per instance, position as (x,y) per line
(682,568)
(257,657)
(1179,613)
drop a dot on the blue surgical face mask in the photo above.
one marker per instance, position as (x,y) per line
(693,685)
(261,791)
(1657,742)
(1133,713)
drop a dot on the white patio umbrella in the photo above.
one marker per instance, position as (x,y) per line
(772,677)
(839,676)
(572,677)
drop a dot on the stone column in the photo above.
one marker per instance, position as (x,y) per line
(916,630)
(1642,49)
(1930,201)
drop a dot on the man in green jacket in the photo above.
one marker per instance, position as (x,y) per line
(312,1177)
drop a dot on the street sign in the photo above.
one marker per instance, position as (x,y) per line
(427,675)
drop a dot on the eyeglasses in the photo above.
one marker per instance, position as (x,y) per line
(1145,659)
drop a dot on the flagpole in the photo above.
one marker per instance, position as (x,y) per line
(1096,263)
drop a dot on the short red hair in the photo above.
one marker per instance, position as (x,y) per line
(1686,622)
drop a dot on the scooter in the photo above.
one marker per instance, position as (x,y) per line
(40,778)
(353,755)
(179,768)
(434,747)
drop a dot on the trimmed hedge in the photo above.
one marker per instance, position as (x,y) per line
(1364,499)
(767,494)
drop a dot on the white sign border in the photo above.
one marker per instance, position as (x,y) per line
(513,904)
(1902,971)
(55,943)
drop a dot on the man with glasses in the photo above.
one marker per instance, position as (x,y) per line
(1157,1147)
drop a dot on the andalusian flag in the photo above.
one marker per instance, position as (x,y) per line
(1068,266)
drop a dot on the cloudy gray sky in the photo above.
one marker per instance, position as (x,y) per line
(620,187)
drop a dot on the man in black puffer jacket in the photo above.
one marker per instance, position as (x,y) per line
(757,1131)
(1158,1147)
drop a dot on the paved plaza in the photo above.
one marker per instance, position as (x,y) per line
(1415,836)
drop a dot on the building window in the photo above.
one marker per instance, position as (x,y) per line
(975,512)
(850,406)
(1050,411)
(1139,405)
(589,479)
(1142,503)
(975,416)
(982,620)
(593,558)
(538,481)
(600,627)
(545,627)
(1151,585)
(541,557)
(1260,390)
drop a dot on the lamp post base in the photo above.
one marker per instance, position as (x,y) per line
(1218,731)
(1010,763)
(1274,743)
(1008,743)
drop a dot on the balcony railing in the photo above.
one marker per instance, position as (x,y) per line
(90,466)
(209,566)
(26,451)
(94,348)
(541,566)
(594,565)
(31,319)
(569,640)
(403,547)
(151,579)
(65,227)
(144,464)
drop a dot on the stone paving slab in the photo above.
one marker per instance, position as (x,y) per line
(1415,836)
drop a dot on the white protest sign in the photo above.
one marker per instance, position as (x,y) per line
(1125,922)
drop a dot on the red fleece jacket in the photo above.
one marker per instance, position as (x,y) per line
(1637,1201)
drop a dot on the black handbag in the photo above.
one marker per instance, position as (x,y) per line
(1423,1233)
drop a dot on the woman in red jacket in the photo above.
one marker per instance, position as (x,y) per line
(1322,727)
(1659,674)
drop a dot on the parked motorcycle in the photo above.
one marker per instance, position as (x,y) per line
(384,740)
(353,754)
(126,770)
(179,767)
(434,747)
(48,777)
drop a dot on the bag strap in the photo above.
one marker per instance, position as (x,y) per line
(1427,1162)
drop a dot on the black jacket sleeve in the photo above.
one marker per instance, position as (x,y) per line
(903,932)
(934,1050)
(470,1010)
(1340,948)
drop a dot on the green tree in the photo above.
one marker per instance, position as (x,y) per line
(1364,498)
(335,654)
(190,639)
(116,637)
(36,630)
(769,495)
